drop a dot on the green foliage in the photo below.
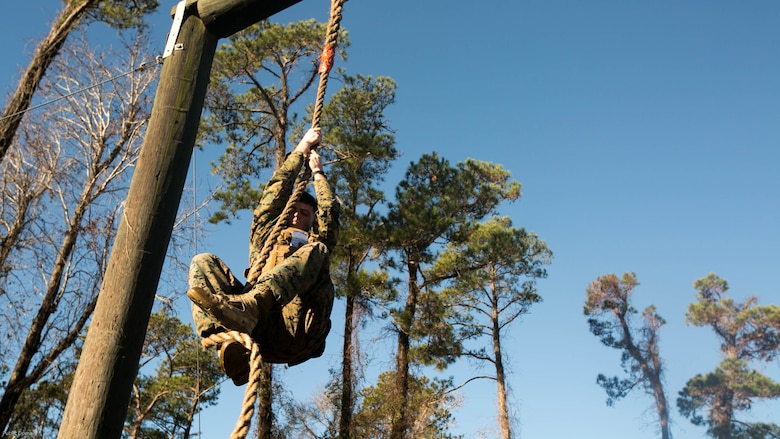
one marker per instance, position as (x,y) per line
(371,289)
(39,411)
(748,332)
(615,387)
(435,204)
(731,388)
(491,280)
(123,14)
(358,140)
(494,274)
(361,148)
(257,80)
(437,343)
(608,305)
(163,403)
(436,201)
(429,406)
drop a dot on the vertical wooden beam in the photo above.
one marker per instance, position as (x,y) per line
(98,399)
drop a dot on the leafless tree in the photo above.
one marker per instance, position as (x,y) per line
(116,13)
(62,183)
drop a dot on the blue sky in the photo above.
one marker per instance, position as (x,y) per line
(646,137)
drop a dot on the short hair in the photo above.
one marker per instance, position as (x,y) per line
(309,199)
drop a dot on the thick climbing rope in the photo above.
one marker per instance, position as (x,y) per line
(255,360)
(326,62)
(255,375)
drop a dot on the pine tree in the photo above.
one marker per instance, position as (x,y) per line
(434,203)
(185,378)
(610,317)
(494,275)
(748,333)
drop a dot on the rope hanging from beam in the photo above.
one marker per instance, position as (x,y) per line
(255,360)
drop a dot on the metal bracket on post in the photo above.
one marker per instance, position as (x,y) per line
(178,17)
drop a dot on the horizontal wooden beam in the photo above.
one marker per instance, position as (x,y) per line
(223,18)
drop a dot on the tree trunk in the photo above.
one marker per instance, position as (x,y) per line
(44,55)
(265,400)
(19,380)
(193,409)
(399,425)
(661,404)
(722,414)
(651,370)
(347,376)
(503,411)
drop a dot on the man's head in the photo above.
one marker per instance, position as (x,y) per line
(303,214)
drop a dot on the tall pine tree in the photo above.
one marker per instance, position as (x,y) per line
(611,318)
(435,203)
(748,332)
(494,273)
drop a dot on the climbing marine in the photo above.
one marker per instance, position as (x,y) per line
(286,302)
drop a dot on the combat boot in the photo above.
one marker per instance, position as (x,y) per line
(239,312)
(234,360)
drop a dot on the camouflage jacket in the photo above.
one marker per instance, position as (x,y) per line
(274,199)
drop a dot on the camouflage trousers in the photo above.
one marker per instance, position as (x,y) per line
(296,327)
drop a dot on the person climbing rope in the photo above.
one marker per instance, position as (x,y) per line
(286,303)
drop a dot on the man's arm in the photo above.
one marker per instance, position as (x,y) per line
(326,228)
(277,192)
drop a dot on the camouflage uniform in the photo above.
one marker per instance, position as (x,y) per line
(297,277)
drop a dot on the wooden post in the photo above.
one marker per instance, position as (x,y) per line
(100,393)
(98,399)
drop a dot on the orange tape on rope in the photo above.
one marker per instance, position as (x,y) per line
(326,59)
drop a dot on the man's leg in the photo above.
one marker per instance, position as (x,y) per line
(296,274)
(302,287)
(208,272)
